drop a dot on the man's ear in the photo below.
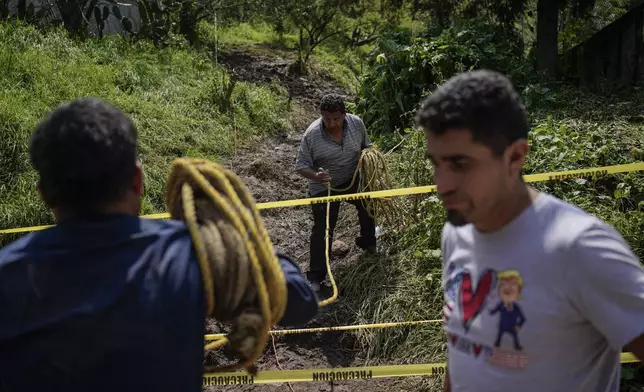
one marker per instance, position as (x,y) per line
(517,154)
(41,193)
(137,180)
(44,197)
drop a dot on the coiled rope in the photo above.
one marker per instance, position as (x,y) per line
(242,278)
(374,176)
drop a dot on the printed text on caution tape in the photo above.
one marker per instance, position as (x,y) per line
(339,374)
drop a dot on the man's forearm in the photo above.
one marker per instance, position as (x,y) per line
(446,385)
(302,302)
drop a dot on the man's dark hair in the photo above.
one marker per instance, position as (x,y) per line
(483,102)
(85,153)
(332,103)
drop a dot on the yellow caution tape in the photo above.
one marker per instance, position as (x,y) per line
(563,175)
(628,358)
(24,229)
(338,374)
(216,336)
(541,177)
(324,375)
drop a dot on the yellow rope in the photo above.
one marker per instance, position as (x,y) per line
(356,327)
(334,296)
(242,278)
(374,176)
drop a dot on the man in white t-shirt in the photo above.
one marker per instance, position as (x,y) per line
(540,296)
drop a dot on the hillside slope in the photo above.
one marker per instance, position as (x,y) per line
(186,105)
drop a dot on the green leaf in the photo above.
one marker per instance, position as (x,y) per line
(627,373)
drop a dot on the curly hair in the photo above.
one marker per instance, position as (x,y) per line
(332,103)
(483,102)
(85,154)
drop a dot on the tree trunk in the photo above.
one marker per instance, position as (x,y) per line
(300,48)
(188,22)
(547,31)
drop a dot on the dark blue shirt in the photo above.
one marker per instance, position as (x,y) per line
(111,304)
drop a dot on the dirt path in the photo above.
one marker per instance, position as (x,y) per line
(267,171)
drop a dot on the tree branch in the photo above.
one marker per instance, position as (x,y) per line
(319,41)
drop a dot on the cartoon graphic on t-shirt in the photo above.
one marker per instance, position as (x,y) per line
(511,318)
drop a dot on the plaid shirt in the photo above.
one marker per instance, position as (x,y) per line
(317,149)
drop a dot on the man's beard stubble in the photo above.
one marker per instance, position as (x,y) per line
(456,218)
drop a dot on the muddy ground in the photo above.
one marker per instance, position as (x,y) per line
(267,171)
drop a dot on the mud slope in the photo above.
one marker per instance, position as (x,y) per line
(267,171)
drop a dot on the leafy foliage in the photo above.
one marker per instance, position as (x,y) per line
(353,22)
(442,11)
(403,69)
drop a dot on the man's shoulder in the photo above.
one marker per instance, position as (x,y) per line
(565,229)
(16,247)
(170,234)
(355,121)
(313,127)
(164,225)
(166,230)
(564,219)
(560,223)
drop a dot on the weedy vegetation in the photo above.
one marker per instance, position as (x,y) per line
(389,54)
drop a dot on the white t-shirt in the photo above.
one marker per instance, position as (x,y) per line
(543,305)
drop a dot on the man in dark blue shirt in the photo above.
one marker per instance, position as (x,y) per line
(105,300)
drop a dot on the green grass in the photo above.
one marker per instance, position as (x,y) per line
(175,96)
(244,35)
(330,58)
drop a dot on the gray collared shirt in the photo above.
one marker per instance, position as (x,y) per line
(317,149)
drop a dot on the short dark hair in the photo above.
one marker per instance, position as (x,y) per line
(332,103)
(85,154)
(483,102)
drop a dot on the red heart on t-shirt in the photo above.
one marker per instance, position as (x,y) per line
(477,350)
(472,302)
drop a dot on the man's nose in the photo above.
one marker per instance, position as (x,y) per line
(445,182)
